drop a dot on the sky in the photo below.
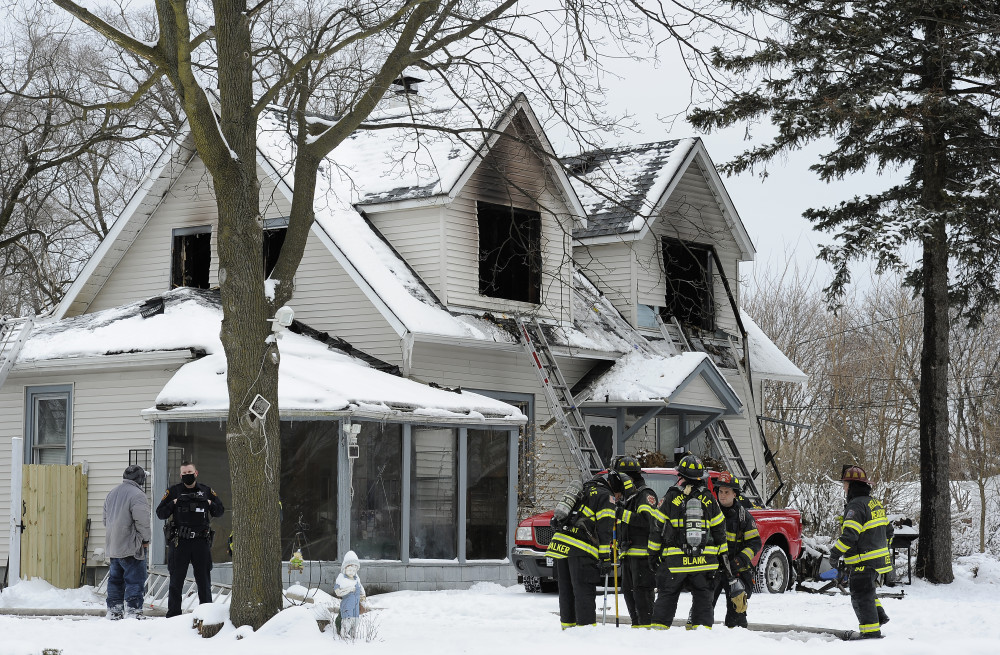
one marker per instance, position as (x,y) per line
(651,92)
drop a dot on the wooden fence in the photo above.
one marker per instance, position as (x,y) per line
(55,511)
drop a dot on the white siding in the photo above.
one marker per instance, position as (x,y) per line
(693,214)
(495,370)
(612,268)
(327,299)
(697,393)
(418,236)
(510,175)
(106,425)
(144,270)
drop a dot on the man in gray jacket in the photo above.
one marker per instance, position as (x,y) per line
(126,517)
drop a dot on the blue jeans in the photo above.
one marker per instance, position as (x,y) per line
(126,581)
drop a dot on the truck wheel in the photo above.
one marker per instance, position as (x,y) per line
(773,572)
(532,585)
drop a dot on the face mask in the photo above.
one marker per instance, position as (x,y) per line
(188,479)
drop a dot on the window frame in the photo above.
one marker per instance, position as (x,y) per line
(31,395)
(705,309)
(532,219)
(177,232)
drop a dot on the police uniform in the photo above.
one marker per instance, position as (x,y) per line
(577,547)
(189,538)
(681,568)
(743,541)
(864,546)
(636,524)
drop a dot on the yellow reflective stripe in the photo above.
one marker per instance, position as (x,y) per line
(659,516)
(750,534)
(672,551)
(723,548)
(841,546)
(677,523)
(635,552)
(853,525)
(604,550)
(716,520)
(870,555)
(659,626)
(711,550)
(874,523)
(646,509)
(869,627)
(689,569)
(586,511)
(573,541)
(626,516)
(655,545)
(730,536)
(749,552)
(606,514)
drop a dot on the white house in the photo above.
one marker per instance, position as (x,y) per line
(425,246)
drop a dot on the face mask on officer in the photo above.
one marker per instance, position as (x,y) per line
(188,479)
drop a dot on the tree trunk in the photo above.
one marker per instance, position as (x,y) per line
(254,446)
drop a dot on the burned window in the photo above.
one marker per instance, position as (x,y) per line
(192,257)
(275,230)
(510,252)
(687,268)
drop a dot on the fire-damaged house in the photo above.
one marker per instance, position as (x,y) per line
(476,321)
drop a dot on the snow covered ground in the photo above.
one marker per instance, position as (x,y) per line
(487,619)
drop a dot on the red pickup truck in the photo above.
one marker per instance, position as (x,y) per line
(780,532)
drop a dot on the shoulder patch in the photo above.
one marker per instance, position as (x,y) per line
(213,492)
(165,494)
(850,514)
(651,499)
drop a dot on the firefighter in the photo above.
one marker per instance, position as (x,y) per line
(635,519)
(693,540)
(864,547)
(581,550)
(743,543)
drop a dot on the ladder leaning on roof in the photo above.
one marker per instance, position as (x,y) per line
(13,333)
(566,414)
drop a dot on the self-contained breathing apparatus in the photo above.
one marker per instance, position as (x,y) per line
(567,515)
(695,527)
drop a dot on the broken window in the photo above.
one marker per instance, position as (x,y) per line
(510,252)
(191,260)
(275,230)
(687,268)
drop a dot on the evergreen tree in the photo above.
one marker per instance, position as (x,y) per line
(896,84)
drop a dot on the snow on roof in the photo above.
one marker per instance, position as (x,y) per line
(620,187)
(312,376)
(766,359)
(642,377)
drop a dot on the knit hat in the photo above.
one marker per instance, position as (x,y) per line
(136,474)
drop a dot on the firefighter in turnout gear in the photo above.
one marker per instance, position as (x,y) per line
(191,506)
(864,547)
(744,543)
(636,520)
(580,548)
(693,539)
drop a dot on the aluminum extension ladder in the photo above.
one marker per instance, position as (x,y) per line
(564,410)
(13,333)
(158,588)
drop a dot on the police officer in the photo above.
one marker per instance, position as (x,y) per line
(744,543)
(580,549)
(189,535)
(864,547)
(693,538)
(635,520)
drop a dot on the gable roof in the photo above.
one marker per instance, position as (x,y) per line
(624,189)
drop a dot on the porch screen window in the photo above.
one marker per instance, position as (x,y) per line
(377,480)
(486,499)
(687,268)
(49,424)
(275,230)
(510,252)
(309,452)
(434,494)
(191,258)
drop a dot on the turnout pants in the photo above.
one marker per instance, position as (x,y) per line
(198,554)
(638,586)
(669,587)
(868,609)
(578,578)
(733,618)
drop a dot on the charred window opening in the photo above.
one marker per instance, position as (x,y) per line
(510,252)
(191,260)
(275,230)
(687,268)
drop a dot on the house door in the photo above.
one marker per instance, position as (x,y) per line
(602,430)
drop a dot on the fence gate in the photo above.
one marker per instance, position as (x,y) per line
(55,511)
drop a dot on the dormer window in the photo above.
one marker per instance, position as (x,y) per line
(275,230)
(191,259)
(510,252)
(687,269)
